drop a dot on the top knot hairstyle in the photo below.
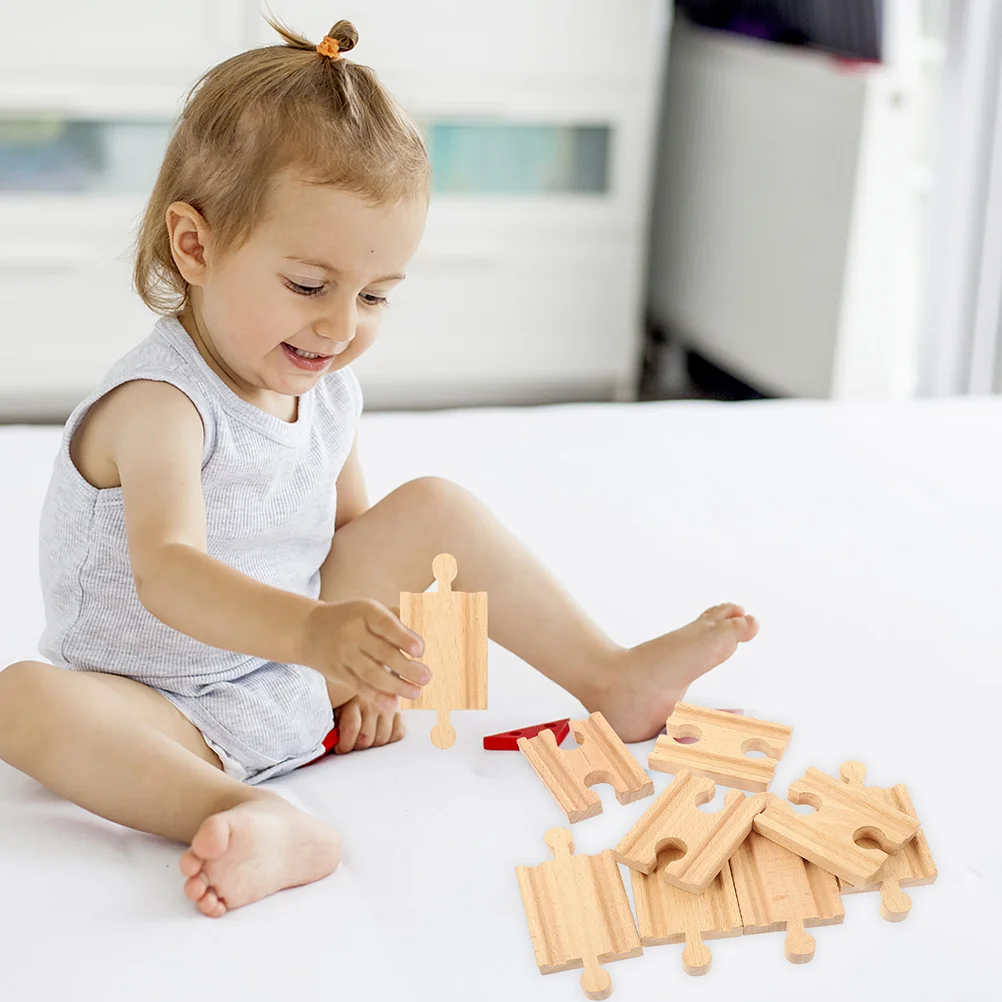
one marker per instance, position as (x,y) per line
(293,105)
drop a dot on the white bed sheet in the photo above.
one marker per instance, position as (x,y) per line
(868,539)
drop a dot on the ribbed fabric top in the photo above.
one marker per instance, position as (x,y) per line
(270,503)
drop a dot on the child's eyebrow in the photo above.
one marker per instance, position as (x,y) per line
(332,269)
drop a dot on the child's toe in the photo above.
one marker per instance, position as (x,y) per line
(745,627)
(195,887)
(728,610)
(212,839)
(191,863)
(211,905)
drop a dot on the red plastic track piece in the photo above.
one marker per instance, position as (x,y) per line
(508,740)
(330,741)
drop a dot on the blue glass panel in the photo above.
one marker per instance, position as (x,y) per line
(518,158)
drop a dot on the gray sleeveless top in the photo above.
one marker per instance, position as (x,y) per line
(270,502)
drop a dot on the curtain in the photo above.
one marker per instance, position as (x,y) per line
(962,336)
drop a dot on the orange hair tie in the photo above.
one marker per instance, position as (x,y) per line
(329,47)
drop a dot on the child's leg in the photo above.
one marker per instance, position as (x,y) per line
(390,548)
(120,750)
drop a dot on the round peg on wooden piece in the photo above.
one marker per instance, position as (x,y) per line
(696,957)
(852,772)
(560,841)
(894,903)
(443,734)
(799,944)
(595,982)
(445,569)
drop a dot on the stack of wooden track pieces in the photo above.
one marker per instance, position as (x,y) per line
(754,866)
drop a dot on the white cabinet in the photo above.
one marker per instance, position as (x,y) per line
(111,54)
(791,200)
(540,122)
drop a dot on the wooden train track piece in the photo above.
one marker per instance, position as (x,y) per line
(777,889)
(912,866)
(674,821)
(578,913)
(715,743)
(828,836)
(453,626)
(601,758)
(667,914)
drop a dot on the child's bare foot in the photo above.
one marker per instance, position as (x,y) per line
(253,850)
(647,681)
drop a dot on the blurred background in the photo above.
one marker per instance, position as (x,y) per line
(633,200)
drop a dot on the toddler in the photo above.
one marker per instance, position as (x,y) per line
(217,587)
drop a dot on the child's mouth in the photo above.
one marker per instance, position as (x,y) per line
(310,362)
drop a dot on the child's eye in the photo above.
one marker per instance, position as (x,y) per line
(371,300)
(303,290)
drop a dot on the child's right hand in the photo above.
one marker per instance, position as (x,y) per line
(349,643)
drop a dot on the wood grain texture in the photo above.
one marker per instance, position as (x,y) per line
(827,837)
(706,840)
(601,758)
(453,626)
(718,751)
(667,914)
(777,889)
(911,866)
(578,913)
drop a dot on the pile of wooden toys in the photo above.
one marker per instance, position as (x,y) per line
(754,866)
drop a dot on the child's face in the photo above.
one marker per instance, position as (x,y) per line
(273,295)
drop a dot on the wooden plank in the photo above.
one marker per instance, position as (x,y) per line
(601,758)
(453,626)
(911,866)
(777,889)
(674,821)
(715,743)
(827,837)
(578,913)
(667,914)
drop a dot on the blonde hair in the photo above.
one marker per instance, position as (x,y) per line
(257,113)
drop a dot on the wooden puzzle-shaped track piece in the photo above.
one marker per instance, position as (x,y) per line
(578,913)
(601,758)
(828,836)
(777,889)
(667,914)
(706,840)
(912,866)
(718,751)
(453,625)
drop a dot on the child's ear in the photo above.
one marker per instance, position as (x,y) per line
(189,237)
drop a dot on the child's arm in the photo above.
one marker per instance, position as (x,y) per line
(155,441)
(352,498)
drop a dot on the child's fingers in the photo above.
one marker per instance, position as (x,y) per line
(370,724)
(384,727)
(386,625)
(371,672)
(398,730)
(386,654)
(349,723)
(382,700)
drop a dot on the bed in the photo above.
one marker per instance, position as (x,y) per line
(866,538)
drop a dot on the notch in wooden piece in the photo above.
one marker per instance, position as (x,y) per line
(828,837)
(601,758)
(578,913)
(453,626)
(705,840)
(667,914)
(777,889)
(715,744)
(911,866)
